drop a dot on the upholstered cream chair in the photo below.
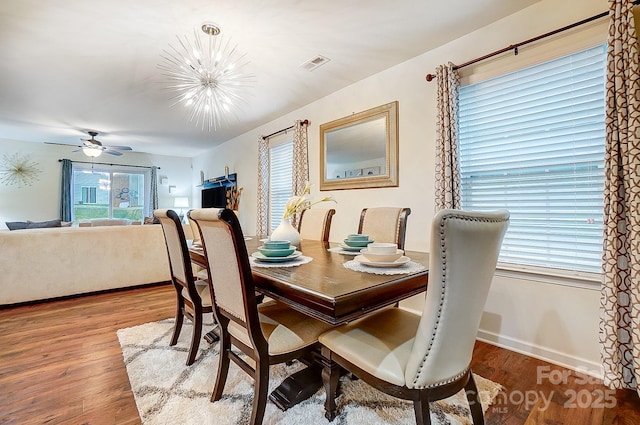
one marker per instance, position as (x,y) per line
(192,296)
(385,224)
(268,333)
(315,224)
(426,357)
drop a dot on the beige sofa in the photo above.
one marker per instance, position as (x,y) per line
(37,264)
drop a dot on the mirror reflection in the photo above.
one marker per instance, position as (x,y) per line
(360,150)
(357,150)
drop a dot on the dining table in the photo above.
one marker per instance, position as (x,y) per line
(327,282)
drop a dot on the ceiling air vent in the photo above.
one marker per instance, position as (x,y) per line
(315,62)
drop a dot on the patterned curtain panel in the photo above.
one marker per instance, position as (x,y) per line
(620,296)
(300,161)
(153,205)
(447,179)
(263,187)
(65,191)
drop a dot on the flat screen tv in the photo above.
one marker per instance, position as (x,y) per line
(214,197)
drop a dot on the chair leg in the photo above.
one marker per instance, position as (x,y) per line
(179,319)
(331,380)
(195,338)
(421,408)
(473,397)
(223,364)
(260,392)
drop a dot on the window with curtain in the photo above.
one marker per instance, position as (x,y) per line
(109,192)
(280,180)
(533,142)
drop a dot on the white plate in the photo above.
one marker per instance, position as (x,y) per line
(351,248)
(260,257)
(400,261)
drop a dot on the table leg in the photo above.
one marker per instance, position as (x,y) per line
(212,336)
(297,387)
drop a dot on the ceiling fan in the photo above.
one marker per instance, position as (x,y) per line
(94,148)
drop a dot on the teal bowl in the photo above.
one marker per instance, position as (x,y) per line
(277,244)
(357,244)
(358,237)
(276,252)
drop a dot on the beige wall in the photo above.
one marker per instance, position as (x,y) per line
(555,322)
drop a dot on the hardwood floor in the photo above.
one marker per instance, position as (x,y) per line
(60,363)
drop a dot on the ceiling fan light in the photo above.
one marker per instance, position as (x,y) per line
(92,152)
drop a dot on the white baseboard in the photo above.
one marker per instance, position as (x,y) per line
(543,353)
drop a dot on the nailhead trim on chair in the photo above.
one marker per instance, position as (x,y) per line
(442,293)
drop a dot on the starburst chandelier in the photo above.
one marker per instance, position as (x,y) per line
(206,76)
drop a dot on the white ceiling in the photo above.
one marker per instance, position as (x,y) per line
(68,66)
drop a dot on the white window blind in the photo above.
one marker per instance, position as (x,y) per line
(532,142)
(280,181)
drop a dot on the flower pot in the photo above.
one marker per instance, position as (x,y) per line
(285,231)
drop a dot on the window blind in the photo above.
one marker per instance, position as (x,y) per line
(532,142)
(280,181)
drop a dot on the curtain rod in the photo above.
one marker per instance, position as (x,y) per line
(305,122)
(105,163)
(514,47)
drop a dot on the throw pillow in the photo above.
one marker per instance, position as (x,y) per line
(16,225)
(43,224)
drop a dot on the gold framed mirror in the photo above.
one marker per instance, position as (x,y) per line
(360,151)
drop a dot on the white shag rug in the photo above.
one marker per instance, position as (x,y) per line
(167,391)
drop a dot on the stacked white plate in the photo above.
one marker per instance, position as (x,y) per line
(382,255)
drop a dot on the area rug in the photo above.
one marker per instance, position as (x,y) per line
(167,391)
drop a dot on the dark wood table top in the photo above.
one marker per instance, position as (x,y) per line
(326,290)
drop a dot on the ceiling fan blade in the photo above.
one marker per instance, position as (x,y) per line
(110,152)
(120,148)
(61,144)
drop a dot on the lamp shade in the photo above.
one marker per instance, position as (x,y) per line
(92,152)
(181,202)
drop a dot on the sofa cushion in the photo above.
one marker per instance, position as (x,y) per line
(43,224)
(16,225)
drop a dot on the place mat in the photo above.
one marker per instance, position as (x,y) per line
(340,250)
(410,267)
(293,263)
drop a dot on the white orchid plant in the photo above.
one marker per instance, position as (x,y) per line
(299,203)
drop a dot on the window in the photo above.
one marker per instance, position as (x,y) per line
(280,181)
(116,192)
(532,141)
(88,194)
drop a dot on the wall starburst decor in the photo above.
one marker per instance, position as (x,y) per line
(18,170)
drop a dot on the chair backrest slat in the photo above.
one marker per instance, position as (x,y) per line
(385,224)
(315,224)
(176,245)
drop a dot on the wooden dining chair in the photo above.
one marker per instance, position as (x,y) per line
(315,224)
(426,357)
(267,333)
(385,224)
(192,296)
